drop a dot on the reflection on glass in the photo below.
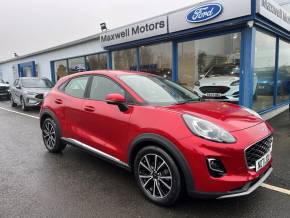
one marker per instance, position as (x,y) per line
(76,65)
(60,68)
(264,71)
(211,67)
(97,61)
(284,72)
(125,59)
(157,59)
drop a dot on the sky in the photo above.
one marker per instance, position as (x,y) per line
(30,25)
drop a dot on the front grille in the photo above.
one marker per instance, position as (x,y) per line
(39,96)
(214,89)
(4,88)
(212,98)
(258,150)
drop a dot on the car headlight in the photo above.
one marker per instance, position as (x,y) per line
(253,112)
(197,83)
(207,130)
(236,83)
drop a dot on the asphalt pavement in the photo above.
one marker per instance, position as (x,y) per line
(35,183)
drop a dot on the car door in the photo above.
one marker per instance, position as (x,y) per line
(105,126)
(16,91)
(68,105)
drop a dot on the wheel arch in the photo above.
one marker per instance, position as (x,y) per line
(47,113)
(168,146)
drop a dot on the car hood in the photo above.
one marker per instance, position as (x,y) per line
(4,85)
(37,90)
(228,116)
(218,81)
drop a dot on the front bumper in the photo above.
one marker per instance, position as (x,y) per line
(33,102)
(4,93)
(247,189)
(238,179)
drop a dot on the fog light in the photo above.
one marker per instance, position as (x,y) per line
(215,167)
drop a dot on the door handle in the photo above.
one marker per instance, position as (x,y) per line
(89,108)
(58,101)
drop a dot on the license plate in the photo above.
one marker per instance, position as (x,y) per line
(213,95)
(263,161)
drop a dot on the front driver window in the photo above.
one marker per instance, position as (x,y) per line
(77,87)
(102,86)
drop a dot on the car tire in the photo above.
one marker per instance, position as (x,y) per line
(13,104)
(23,106)
(51,136)
(158,176)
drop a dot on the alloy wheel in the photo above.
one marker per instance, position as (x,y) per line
(48,133)
(155,175)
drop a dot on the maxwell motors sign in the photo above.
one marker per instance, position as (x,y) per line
(274,12)
(137,31)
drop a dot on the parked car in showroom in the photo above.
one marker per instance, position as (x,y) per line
(162,132)
(29,91)
(221,83)
(4,89)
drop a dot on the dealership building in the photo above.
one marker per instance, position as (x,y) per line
(213,48)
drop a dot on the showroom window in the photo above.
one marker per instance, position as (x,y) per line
(264,71)
(60,68)
(76,65)
(211,67)
(97,61)
(157,59)
(283,72)
(125,59)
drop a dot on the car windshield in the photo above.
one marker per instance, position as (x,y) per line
(224,70)
(36,83)
(158,91)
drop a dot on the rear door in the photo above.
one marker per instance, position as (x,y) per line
(105,126)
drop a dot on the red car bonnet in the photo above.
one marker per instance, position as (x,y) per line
(228,116)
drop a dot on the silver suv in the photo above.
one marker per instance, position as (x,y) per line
(29,91)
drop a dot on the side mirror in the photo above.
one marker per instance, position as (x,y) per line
(7,83)
(117,99)
(18,87)
(202,76)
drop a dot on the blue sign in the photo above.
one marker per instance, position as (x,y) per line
(204,13)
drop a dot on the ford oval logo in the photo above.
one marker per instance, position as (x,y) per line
(204,13)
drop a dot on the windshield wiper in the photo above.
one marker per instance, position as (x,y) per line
(188,101)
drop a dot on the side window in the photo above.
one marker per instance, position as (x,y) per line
(102,86)
(15,83)
(77,87)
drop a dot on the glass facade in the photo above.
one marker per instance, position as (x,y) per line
(211,67)
(76,65)
(125,59)
(283,72)
(96,61)
(264,71)
(157,59)
(60,68)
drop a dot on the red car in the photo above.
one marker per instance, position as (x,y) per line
(173,142)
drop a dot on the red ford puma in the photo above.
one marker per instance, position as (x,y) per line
(162,132)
